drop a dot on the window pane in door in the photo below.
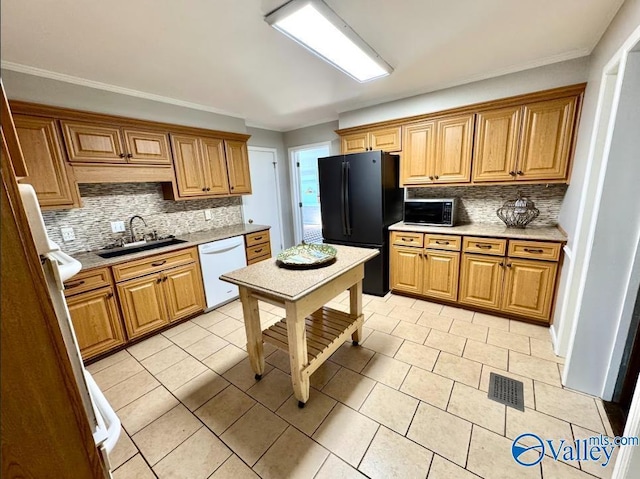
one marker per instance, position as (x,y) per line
(310,193)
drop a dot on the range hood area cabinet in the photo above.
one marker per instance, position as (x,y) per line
(208,167)
(526,139)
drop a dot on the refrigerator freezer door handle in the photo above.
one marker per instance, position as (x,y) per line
(343,199)
(347,211)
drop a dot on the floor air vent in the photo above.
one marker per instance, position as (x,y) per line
(506,391)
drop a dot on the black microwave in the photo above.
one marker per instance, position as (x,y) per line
(432,212)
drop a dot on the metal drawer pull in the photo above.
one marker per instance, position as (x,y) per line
(257,250)
(160,263)
(159,280)
(442,242)
(529,250)
(74,285)
(407,239)
(257,238)
(484,246)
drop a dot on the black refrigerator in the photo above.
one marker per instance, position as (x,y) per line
(359,200)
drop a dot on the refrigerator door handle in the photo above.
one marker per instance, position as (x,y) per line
(343,199)
(347,210)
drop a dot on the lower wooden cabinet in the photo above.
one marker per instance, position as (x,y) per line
(528,288)
(481,280)
(427,272)
(96,321)
(183,291)
(257,246)
(406,269)
(440,274)
(143,305)
(155,300)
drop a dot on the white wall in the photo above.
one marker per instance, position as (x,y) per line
(314,134)
(275,139)
(535,79)
(613,253)
(21,86)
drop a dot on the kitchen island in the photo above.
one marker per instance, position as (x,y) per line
(310,332)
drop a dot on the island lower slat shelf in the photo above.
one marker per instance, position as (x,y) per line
(326,330)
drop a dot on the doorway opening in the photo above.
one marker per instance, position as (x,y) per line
(306,191)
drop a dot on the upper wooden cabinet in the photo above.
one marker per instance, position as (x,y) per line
(525,143)
(210,166)
(101,143)
(496,144)
(437,151)
(523,139)
(385,139)
(43,155)
(238,166)
(546,139)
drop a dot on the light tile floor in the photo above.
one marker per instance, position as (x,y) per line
(409,402)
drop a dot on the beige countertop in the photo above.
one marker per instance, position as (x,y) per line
(92,260)
(537,233)
(292,284)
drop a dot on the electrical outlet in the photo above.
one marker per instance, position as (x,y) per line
(207,215)
(117,226)
(67,234)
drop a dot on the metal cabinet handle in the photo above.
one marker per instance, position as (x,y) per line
(257,250)
(258,238)
(530,250)
(502,264)
(164,278)
(204,188)
(74,285)
(508,265)
(512,173)
(232,187)
(431,178)
(483,246)
(437,177)
(129,155)
(407,239)
(208,189)
(122,155)
(110,295)
(159,280)
(159,263)
(520,172)
(442,242)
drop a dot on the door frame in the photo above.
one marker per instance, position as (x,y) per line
(277,176)
(298,230)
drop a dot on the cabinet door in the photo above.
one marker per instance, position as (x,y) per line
(238,167)
(44,158)
(481,280)
(418,156)
(406,269)
(355,143)
(547,131)
(528,288)
(440,277)
(215,166)
(147,147)
(183,291)
(386,139)
(143,305)
(96,321)
(496,145)
(454,141)
(89,143)
(188,165)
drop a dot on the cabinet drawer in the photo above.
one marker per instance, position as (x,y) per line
(402,238)
(257,251)
(257,238)
(472,244)
(534,250)
(87,280)
(258,259)
(447,242)
(153,264)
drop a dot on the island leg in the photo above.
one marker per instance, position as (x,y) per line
(254,331)
(355,308)
(297,342)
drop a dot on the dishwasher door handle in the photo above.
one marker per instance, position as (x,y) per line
(219,250)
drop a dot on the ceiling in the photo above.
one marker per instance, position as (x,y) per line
(221,56)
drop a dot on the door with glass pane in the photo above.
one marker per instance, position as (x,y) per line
(307,199)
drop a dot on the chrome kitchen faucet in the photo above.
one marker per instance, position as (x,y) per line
(133,235)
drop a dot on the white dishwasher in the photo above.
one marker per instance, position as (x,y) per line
(217,258)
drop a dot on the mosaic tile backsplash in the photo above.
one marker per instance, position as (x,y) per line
(478,204)
(104,203)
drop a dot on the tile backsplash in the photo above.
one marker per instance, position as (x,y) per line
(107,202)
(478,204)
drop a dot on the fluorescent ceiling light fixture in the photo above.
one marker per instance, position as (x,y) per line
(315,26)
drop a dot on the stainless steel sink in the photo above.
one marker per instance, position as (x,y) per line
(115,252)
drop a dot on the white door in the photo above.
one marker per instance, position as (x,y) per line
(262,206)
